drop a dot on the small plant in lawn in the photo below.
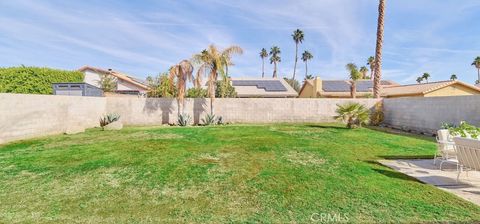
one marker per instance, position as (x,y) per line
(184,119)
(353,114)
(109,118)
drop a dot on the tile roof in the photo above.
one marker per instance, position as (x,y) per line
(135,81)
(422,88)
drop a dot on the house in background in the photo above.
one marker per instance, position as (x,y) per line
(441,88)
(262,88)
(315,88)
(125,84)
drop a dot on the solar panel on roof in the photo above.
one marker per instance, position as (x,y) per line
(267,85)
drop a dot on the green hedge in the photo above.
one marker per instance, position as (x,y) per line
(34,80)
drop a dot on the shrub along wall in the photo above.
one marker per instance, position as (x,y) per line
(34,80)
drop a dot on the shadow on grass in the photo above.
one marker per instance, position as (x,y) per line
(407,157)
(387,171)
(333,126)
(399,132)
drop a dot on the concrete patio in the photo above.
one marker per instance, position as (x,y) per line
(467,188)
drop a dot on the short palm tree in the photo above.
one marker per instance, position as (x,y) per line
(419,80)
(298,37)
(354,76)
(263,55)
(453,77)
(476,63)
(364,71)
(182,72)
(426,76)
(213,62)
(275,58)
(378,50)
(306,56)
(353,114)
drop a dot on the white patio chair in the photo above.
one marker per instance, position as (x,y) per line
(445,149)
(468,154)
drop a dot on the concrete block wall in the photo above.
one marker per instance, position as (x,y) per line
(426,114)
(25,116)
(151,111)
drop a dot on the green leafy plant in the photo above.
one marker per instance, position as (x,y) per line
(465,130)
(209,119)
(353,114)
(109,118)
(224,89)
(184,119)
(377,116)
(196,93)
(34,80)
(446,125)
(108,83)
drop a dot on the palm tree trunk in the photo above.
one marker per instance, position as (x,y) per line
(274,69)
(378,50)
(353,89)
(296,59)
(263,67)
(478,71)
(372,74)
(306,69)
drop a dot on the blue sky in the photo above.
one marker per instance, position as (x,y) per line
(146,37)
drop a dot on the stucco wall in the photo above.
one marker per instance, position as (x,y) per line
(426,114)
(25,116)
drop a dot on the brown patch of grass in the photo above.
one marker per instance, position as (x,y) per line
(304,158)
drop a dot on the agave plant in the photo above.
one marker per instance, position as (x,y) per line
(109,118)
(353,114)
(209,119)
(184,119)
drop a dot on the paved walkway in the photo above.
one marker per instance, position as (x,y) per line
(467,188)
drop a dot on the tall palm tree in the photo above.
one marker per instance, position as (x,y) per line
(298,39)
(201,59)
(419,80)
(476,63)
(182,72)
(364,71)
(275,58)
(426,76)
(213,62)
(371,63)
(263,55)
(378,50)
(305,57)
(453,77)
(354,76)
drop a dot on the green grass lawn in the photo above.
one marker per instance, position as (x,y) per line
(237,173)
